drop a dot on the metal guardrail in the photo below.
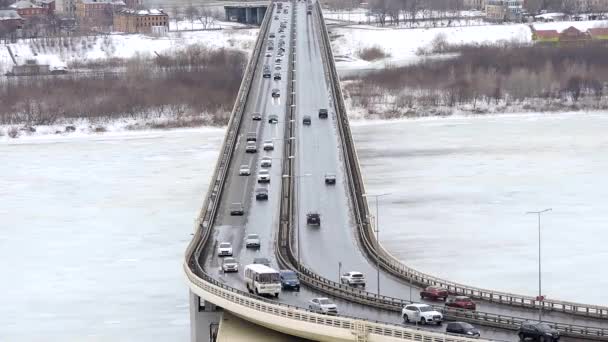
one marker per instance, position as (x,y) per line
(394,265)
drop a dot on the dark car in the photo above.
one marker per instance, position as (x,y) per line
(462,328)
(313,219)
(289,280)
(273,119)
(266,73)
(276,92)
(330,178)
(277,76)
(236,209)
(271,35)
(263,261)
(542,332)
(261,194)
(434,292)
(306,120)
(461,302)
(323,114)
(256,116)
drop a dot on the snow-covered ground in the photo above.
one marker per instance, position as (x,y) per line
(196,24)
(461,186)
(93,231)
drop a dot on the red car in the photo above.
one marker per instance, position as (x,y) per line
(461,302)
(434,292)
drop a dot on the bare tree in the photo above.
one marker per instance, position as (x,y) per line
(207,17)
(191,13)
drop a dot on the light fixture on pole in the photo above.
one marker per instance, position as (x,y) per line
(377,230)
(540,297)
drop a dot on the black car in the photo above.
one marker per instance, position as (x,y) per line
(261,194)
(276,92)
(289,280)
(330,178)
(236,209)
(256,116)
(538,331)
(263,261)
(323,113)
(462,328)
(271,35)
(273,119)
(306,120)
(313,219)
(277,76)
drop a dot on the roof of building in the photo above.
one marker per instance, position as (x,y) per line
(598,31)
(112,2)
(546,34)
(550,15)
(142,12)
(9,14)
(24,4)
(571,29)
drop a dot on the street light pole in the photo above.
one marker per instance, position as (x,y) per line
(297,209)
(377,238)
(540,295)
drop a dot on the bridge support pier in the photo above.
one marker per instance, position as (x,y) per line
(204,319)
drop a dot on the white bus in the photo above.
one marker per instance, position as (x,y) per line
(261,279)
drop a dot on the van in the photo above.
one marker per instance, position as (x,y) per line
(261,279)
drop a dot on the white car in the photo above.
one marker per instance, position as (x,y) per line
(268,145)
(224,249)
(323,306)
(230,265)
(422,313)
(252,240)
(353,279)
(244,170)
(251,147)
(266,162)
(263,176)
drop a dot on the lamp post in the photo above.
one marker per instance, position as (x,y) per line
(377,237)
(540,295)
(297,208)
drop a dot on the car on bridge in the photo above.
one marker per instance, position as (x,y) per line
(306,120)
(244,170)
(252,136)
(462,328)
(323,306)
(313,219)
(538,331)
(236,209)
(256,116)
(277,76)
(230,265)
(251,147)
(261,194)
(273,119)
(224,249)
(268,145)
(278,61)
(261,261)
(330,178)
(276,92)
(266,162)
(267,73)
(421,313)
(461,302)
(263,176)
(271,35)
(268,54)
(353,278)
(434,293)
(323,113)
(289,280)
(252,241)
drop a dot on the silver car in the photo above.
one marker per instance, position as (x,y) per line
(230,265)
(244,170)
(253,241)
(266,162)
(323,306)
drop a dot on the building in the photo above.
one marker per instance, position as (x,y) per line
(598,33)
(504,10)
(573,36)
(10,21)
(141,21)
(545,36)
(474,4)
(65,7)
(97,13)
(28,9)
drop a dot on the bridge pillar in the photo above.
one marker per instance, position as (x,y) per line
(261,11)
(204,319)
(248,15)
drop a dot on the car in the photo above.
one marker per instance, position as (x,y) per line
(244,170)
(277,68)
(280,54)
(262,261)
(251,147)
(224,249)
(330,178)
(306,120)
(271,35)
(423,313)
(273,119)
(323,114)
(284,11)
(266,73)
(268,54)
(263,176)
(256,116)
(276,17)
(252,241)
(236,209)
(266,162)
(277,76)
(313,219)
(261,194)
(323,306)
(230,265)
(276,92)
(252,136)
(538,331)
(289,280)
(278,61)
(270,47)
(461,302)
(434,293)
(353,278)
(268,145)
(462,328)
(282,36)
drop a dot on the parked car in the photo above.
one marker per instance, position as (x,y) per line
(434,292)
(289,280)
(323,114)
(268,145)
(273,119)
(306,120)
(261,194)
(330,178)
(462,328)
(251,147)
(224,249)
(252,241)
(277,76)
(256,116)
(262,261)
(266,162)
(323,306)
(353,278)
(276,92)
(461,302)
(236,209)
(263,176)
(313,219)
(538,331)
(244,170)
(230,265)
(422,313)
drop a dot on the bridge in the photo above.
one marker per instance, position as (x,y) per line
(301,157)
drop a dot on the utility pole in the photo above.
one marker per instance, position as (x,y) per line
(540,297)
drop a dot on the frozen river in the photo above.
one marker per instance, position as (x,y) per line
(86,222)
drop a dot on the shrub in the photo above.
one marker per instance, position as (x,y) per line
(372,53)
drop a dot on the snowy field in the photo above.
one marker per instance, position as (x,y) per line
(461,187)
(93,234)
